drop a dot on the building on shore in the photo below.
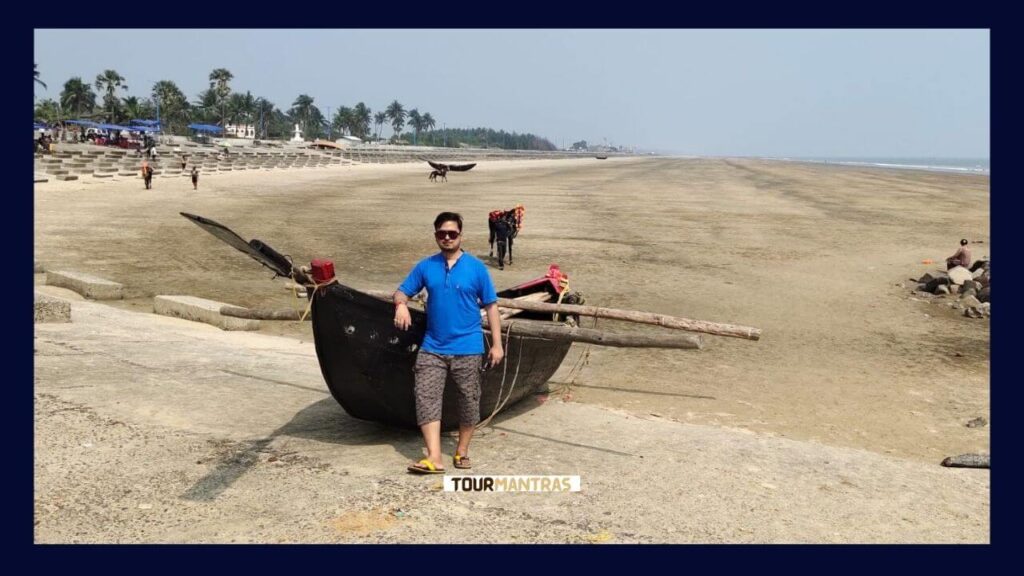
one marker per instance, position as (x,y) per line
(240,130)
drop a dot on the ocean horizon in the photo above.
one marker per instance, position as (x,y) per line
(967,165)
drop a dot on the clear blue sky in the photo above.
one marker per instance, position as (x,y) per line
(891,93)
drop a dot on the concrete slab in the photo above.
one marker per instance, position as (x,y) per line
(201,310)
(50,309)
(58,292)
(86,285)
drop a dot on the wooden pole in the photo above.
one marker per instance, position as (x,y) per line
(561,332)
(261,314)
(677,323)
(600,337)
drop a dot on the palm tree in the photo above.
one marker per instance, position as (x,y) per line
(78,96)
(207,106)
(240,108)
(361,116)
(416,121)
(278,124)
(264,113)
(428,124)
(396,113)
(309,116)
(132,108)
(109,81)
(379,119)
(35,74)
(219,79)
(48,111)
(343,120)
(173,104)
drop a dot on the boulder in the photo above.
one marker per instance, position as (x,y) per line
(984,279)
(970,285)
(954,289)
(970,302)
(934,284)
(941,289)
(929,276)
(968,292)
(959,274)
(983,294)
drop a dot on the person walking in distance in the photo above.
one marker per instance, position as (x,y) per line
(147,174)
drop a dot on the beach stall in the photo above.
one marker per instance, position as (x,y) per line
(145,126)
(83,128)
(201,132)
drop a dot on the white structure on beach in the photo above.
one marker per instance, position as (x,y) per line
(298,135)
(240,130)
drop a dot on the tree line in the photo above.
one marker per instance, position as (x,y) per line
(106,100)
(482,138)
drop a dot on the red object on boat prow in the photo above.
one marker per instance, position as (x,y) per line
(323,270)
(555,276)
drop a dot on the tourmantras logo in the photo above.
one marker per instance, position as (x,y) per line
(511,483)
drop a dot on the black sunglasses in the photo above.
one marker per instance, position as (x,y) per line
(446,234)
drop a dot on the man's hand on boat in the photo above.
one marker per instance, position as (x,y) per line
(402,318)
(495,355)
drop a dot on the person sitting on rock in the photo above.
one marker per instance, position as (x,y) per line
(961,258)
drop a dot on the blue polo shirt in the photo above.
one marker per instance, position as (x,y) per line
(454,299)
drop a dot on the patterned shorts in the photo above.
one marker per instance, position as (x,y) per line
(431,373)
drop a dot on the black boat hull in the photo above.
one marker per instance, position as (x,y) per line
(368,363)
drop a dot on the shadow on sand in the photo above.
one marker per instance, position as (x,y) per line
(325,421)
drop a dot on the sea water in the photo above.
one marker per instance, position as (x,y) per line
(966,165)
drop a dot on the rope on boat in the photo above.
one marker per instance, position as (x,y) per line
(499,404)
(564,283)
(577,369)
(309,304)
(514,378)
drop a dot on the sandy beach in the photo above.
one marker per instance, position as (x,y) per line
(819,257)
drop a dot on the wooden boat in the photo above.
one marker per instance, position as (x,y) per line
(367,362)
(321,144)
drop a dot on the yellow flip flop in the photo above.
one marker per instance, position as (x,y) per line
(425,466)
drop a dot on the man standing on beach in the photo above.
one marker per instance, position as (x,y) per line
(458,285)
(195,177)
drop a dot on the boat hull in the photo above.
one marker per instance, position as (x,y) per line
(368,363)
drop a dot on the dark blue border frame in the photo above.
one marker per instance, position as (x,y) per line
(18,232)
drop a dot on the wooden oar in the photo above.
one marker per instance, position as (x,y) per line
(677,323)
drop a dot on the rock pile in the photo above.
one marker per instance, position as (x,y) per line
(970,287)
